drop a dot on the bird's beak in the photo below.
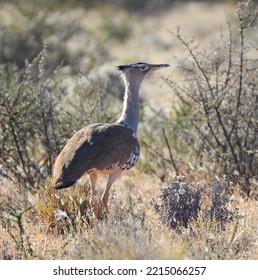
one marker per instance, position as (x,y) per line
(155,67)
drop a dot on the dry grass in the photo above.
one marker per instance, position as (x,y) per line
(134,229)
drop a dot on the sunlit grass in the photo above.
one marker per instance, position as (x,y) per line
(58,225)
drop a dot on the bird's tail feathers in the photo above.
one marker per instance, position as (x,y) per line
(62,183)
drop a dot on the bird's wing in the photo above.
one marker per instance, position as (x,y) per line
(96,146)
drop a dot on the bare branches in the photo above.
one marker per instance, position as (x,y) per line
(222,96)
(170,152)
(35,120)
(196,60)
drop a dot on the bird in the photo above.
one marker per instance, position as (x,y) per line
(105,148)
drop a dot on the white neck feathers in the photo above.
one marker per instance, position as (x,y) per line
(131,105)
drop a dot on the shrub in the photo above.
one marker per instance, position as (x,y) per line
(37,118)
(218,99)
(183,203)
(11,219)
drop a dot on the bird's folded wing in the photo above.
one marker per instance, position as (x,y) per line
(96,146)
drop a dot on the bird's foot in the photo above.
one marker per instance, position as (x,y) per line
(99,210)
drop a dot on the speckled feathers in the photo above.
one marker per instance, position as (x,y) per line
(97,147)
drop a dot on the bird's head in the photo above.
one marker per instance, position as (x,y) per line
(140,69)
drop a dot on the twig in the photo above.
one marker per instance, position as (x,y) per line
(170,152)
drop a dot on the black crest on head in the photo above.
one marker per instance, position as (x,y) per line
(128,66)
(122,67)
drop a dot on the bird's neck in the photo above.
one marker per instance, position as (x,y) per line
(131,105)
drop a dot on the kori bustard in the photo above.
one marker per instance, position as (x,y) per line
(103,148)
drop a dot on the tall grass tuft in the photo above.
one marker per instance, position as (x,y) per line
(67,212)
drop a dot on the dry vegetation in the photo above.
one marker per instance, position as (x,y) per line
(194,193)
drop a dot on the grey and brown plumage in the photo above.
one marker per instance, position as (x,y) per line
(103,148)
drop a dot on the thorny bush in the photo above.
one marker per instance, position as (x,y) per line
(36,118)
(218,100)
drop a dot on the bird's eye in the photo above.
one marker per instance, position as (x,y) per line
(143,68)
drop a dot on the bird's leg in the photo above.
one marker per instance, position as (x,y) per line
(104,198)
(93,199)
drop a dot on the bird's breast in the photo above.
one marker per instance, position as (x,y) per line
(126,164)
(131,161)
